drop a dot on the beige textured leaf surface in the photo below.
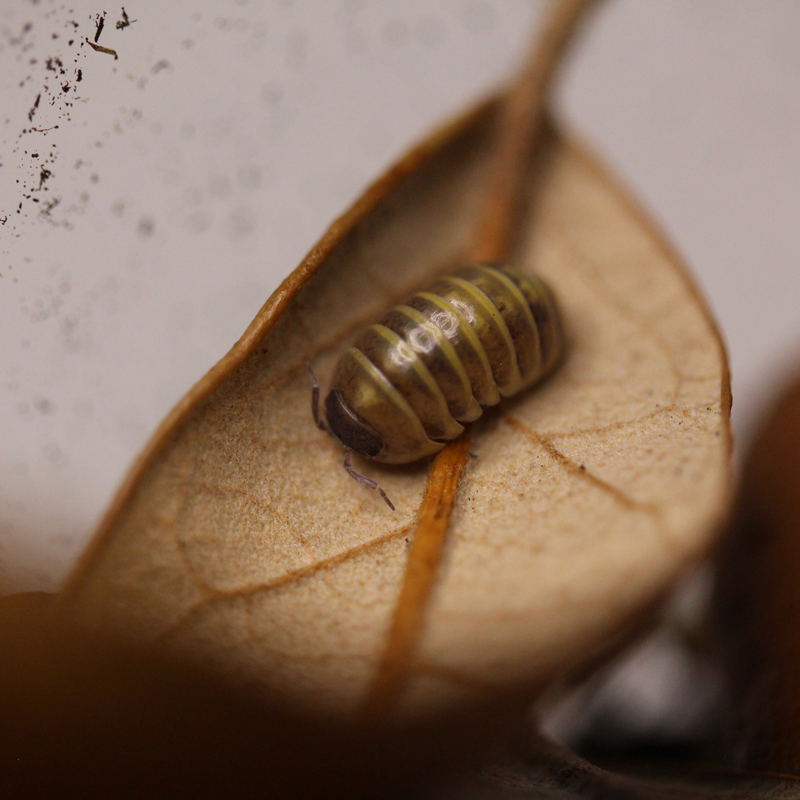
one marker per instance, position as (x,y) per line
(239,538)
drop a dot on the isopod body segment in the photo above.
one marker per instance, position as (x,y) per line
(409,381)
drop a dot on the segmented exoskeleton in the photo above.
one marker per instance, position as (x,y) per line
(409,381)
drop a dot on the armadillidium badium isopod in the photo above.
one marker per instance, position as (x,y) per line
(408,382)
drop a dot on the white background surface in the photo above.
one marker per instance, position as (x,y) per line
(195,171)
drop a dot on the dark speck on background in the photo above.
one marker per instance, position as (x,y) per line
(60,77)
(44,406)
(125,22)
(35,106)
(100,49)
(145,227)
(43,176)
(101,21)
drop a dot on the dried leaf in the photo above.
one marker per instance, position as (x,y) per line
(239,539)
(758,597)
(547,771)
(88,716)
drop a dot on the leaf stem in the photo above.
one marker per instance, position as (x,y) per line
(520,125)
(424,558)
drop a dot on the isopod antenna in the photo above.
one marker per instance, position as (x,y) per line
(315,400)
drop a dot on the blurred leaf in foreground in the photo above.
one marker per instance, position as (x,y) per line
(758,601)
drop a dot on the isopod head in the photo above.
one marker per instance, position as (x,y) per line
(348,429)
(368,415)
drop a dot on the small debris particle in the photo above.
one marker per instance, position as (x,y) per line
(125,22)
(582,467)
(43,176)
(145,227)
(44,406)
(80,75)
(100,23)
(163,64)
(35,106)
(97,48)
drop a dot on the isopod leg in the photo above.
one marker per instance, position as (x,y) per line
(315,399)
(363,479)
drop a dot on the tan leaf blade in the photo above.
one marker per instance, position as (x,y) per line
(238,538)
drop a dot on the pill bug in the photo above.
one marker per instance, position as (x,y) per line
(436,361)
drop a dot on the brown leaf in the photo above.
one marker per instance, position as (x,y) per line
(88,716)
(544,771)
(238,538)
(758,596)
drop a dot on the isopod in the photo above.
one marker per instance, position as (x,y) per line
(409,381)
